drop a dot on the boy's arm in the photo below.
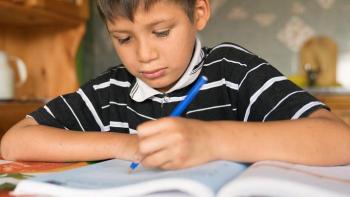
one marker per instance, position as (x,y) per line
(32,142)
(170,143)
(320,139)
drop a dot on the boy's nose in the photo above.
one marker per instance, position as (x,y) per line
(146,52)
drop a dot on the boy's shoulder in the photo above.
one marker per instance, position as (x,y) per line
(116,73)
(230,51)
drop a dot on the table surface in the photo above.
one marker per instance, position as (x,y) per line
(12,172)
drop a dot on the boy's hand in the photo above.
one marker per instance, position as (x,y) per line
(173,143)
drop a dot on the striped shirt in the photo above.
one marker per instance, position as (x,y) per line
(241,86)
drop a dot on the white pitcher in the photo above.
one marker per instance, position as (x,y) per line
(7,77)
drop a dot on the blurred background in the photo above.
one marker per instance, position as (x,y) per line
(273,29)
(50,47)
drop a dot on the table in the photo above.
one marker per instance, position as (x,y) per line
(12,172)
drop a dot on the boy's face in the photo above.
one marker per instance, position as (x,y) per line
(158,45)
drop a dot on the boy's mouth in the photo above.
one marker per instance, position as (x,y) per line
(153,74)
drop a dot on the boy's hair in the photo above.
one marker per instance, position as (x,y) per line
(111,9)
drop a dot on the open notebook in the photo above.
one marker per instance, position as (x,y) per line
(219,178)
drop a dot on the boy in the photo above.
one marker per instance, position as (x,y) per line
(246,112)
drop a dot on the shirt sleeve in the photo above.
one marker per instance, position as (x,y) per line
(79,111)
(266,95)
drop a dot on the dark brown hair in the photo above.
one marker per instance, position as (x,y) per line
(111,9)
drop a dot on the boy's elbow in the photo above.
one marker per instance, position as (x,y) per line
(10,144)
(5,148)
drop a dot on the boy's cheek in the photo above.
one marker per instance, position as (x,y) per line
(128,60)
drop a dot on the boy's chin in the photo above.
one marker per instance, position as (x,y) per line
(162,88)
(159,85)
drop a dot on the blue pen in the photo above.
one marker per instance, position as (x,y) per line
(180,108)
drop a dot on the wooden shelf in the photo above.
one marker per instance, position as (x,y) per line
(43,12)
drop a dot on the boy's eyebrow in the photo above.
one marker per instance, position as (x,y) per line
(118,31)
(153,23)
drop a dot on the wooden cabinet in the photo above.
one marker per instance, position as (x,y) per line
(43,12)
(46,34)
(339,104)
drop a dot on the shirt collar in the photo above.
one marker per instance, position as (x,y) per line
(141,91)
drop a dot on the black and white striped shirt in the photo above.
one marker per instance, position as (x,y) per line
(241,86)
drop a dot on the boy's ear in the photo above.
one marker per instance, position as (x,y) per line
(201,13)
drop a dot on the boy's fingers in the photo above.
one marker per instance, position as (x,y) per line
(147,129)
(137,157)
(156,159)
(168,166)
(152,127)
(154,143)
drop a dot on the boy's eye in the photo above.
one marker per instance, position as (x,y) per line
(162,33)
(122,40)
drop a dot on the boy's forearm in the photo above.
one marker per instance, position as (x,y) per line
(42,143)
(314,141)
